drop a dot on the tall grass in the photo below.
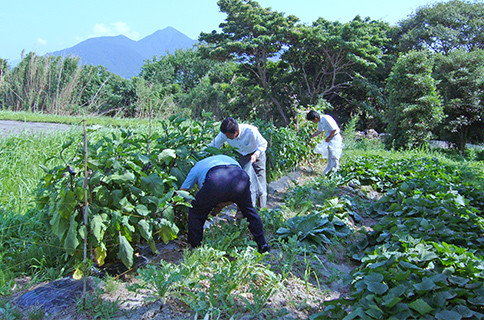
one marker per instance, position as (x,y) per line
(21,160)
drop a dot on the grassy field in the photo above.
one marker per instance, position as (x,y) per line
(225,278)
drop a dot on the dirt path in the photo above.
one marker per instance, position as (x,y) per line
(8,127)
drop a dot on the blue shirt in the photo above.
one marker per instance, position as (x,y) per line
(199,171)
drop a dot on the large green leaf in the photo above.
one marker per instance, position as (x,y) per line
(125,252)
(126,177)
(425,286)
(421,306)
(167,155)
(448,315)
(68,204)
(98,227)
(145,229)
(71,241)
(142,210)
(377,287)
(153,184)
(167,231)
(59,224)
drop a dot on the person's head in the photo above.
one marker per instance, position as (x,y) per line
(230,128)
(313,116)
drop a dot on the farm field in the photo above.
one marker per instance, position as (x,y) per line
(392,234)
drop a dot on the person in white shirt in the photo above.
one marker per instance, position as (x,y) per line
(328,125)
(251,146)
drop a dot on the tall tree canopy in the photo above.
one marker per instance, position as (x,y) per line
(444,27)
(251,35)
(414,104)
(326,57)
(461,83)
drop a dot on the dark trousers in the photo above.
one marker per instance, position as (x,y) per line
(223,184)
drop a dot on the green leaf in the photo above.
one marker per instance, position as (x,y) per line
(421,306)
(460,281)
(71,241)
(125,252)
(373,276)
(124,178)
(477,301)
(185,194)
(167,230)
(425,286)
(390,302)
(167,155)
(142,210)
(98,227)
(68,204)
(153,184)
(377,287)
(448,315)
(59,225)
(126,205)
(145,230)
(464,311)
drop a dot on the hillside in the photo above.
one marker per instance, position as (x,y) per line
(124,56)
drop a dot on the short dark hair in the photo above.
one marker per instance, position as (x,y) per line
(312,115)
(229,125)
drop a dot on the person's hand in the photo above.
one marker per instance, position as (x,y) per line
(253,158)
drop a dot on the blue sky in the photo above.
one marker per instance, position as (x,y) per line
(44,26)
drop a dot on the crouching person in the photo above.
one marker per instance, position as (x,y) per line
(221,179)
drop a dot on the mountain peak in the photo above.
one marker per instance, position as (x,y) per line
(124,56)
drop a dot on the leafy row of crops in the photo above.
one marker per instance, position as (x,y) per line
(424,257)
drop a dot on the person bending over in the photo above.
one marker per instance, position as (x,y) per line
(221,179)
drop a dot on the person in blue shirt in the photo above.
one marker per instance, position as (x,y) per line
(221,179)
(251,147)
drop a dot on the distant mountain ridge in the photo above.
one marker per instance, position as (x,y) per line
(124,56)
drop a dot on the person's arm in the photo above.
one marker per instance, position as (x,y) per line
(189,181)
(315,134)
(331,135)
(218,141)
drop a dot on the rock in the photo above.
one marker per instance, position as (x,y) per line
(359,135)
(372,134)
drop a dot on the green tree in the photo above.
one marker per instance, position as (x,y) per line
(251,35)
(190,81)
(3,85)
(444,27)
(414,107)
(327,57)
(461,84)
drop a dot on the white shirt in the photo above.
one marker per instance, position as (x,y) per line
(328,125)
(248,141)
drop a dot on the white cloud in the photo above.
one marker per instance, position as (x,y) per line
(41,42)
(114,29)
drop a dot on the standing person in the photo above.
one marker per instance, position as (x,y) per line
(334,139)
(221,180)
(251,146)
